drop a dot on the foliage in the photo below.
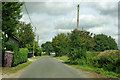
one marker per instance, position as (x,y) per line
(25,34)
(60,44)
(108,60)
(11,13)
(103,42)
(80,42)
(10,46)
(47,47)
(107,74)
(0,47)
(38,50)
(0,39)
(10,16)
(30,47)
(20,56)
(4,39)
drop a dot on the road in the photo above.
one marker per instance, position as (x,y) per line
(48,67)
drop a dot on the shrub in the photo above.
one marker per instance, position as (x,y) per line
(77,56)
(80,42)
(20,56)
(108,60)
(39,51)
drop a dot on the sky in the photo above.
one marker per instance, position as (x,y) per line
(52,17)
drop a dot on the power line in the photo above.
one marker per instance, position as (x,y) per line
(74,16)
(28,15)
(33,26)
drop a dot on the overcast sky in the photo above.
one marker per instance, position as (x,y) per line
(51,18)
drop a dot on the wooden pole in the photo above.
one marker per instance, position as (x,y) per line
(77,17)
(34,43)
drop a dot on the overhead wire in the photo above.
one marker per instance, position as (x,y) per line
(29,15)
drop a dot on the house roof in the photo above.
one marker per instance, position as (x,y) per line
(16,38)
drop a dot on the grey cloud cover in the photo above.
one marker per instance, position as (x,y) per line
(52,18)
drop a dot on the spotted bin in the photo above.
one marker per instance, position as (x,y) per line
(8,58)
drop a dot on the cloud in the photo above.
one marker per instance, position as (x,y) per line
(104,8)
(50,8)
(89,21)
(86,21)
(108,9)
(65,23)
(109,30)
(51,18)
(57,31)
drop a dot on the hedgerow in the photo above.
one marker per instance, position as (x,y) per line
(81,47)
(20,56)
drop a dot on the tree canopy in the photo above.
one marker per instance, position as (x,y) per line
(60,44)
(11,13)
(47,47)
(103,42)
(25,34)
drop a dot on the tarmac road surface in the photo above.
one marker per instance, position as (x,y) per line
(49,67)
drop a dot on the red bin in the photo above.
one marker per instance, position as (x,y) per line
(8,58)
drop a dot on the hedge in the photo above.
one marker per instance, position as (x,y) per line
(20,56)
(108,60)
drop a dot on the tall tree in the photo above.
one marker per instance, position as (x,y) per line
(60,44)
(25,34)
(11,13)
(80,42)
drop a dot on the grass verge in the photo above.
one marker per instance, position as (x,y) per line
(8,70)
(105,74)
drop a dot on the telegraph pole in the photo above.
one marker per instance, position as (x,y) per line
(77,17)
(37,38)
(34,42)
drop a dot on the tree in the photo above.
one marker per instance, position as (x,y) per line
(60,44)
(25,34)
(47,47)
(103,42)
(10,16)
(29,47)
(80,42)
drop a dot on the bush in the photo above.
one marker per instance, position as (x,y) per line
(77,56)
(108,60)
(20,56)
(90,55)
(80,42)
(39,51)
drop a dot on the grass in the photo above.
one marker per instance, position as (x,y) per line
(105,74)
(64,58)
(8,70)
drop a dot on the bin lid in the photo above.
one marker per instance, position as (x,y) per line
(9,52)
